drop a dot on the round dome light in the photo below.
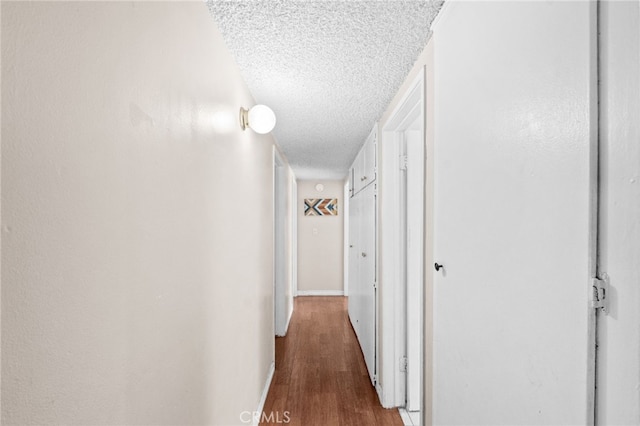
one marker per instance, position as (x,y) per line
(261,119)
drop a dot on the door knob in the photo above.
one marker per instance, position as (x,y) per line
(437,266)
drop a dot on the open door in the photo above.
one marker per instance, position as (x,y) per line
(514,196)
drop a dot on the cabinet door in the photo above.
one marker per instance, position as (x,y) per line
(358,170)
(351,187)
(369,160)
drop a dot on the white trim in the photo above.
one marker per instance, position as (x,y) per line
(294,236)
(409,418)
(265,392)
(594,109)
(289,315)
(404,415)
(279,243)
(392,344)
(346,235)
(320,293)
(389,249)
(442,14)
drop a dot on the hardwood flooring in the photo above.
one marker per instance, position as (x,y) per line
(321,377)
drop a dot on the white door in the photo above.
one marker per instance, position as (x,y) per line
(368,276)
(415,261)
(514,143)
(354,261)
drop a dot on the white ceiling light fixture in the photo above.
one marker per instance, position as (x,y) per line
(261,119)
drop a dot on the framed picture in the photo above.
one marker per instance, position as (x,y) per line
(321,207)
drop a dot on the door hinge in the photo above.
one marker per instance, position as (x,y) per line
(375,285)
(375,379)
(403,364)
(600,295)
(403,162)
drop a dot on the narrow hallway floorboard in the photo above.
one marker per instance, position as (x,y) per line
(320,376)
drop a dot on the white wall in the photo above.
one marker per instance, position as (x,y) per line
(136,225)
(320,241)
(618,397)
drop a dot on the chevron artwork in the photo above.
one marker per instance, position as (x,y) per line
(321,207)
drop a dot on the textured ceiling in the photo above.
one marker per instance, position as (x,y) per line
(328,69)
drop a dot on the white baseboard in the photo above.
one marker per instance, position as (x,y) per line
(286,327)
(320,293)
(265,392)
(379,390)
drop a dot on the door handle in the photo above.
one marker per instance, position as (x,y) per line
(364,254)
(438,266)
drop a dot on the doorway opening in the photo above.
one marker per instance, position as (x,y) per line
(403,183)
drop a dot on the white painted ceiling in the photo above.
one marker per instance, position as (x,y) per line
(328,69)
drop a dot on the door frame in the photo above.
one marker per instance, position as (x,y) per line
(294,240)
(391,387)
(346,242)
(279,243)
(414,261)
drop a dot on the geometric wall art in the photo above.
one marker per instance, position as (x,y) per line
(321,207)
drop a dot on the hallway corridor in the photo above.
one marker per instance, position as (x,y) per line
(320,376)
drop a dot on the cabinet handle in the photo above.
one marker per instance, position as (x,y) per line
(363,178)
(364,254)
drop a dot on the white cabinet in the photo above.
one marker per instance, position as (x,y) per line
(363,171)
(362,252)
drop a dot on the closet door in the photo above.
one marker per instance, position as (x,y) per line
(354,261)
(514,183)
(367,297)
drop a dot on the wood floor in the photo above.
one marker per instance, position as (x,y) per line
(320,377)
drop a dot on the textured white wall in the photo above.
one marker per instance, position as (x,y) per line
(618,396)
(137,229)
(320,253)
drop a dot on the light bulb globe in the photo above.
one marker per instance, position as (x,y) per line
(261,119)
